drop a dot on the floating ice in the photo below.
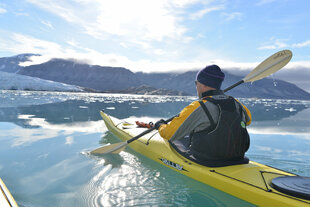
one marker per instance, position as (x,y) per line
(111,108)
(290,109)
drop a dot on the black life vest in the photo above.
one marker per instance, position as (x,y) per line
(227,139)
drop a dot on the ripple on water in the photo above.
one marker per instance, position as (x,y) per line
(138,181)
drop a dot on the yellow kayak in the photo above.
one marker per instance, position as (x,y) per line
(6,199)
(252,182)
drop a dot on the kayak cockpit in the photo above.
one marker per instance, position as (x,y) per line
(182,147)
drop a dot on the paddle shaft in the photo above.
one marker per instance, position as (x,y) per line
(147,131)
(118,147)
(236,84)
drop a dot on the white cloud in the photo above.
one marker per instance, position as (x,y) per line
(20,43)
(159,52)
(135,19)
(184,3)
(150,20)
(263,2)
(2,10)
(205,11)
(73,43)
(47,23)
(281,43)
(61,8)
(134,25)
(274,44)
(21,14)
(143,44)
(302,44)
(233,16)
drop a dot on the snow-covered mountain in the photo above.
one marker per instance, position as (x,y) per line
(69,71)
(116,79)
(11,81)
(11,64)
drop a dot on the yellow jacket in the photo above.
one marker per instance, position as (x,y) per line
(182,125)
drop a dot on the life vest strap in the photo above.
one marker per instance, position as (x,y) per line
(208,114)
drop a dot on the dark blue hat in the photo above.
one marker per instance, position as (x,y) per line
(211,76)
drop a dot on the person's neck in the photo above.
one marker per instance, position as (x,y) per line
(211,93)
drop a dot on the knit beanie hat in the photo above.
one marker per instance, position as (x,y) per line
(211,76)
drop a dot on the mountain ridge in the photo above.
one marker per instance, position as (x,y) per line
(116,79)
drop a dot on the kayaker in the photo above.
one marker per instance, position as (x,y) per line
(212,130)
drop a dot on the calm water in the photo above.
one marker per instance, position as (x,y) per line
(45,139)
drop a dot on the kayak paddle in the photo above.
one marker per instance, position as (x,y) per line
(269,66)
(264,69)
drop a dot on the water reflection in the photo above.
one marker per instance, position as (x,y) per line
(81,112)
(273,110)
(141,182)
(45,139)
(286,152)
(83,109)
(297,123)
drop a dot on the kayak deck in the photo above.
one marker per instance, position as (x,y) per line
(6,199)
(250,182)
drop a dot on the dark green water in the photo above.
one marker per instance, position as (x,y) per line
(45,139)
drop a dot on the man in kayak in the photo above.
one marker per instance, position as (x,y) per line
(212,130)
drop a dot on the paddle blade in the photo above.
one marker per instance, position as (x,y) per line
(269,66)
(112,148)
(128,124)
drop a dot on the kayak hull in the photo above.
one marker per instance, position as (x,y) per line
(250,182)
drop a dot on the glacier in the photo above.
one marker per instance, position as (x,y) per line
(11,81)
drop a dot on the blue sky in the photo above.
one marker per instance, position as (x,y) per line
(160,35)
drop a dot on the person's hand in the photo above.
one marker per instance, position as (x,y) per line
(159,123)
